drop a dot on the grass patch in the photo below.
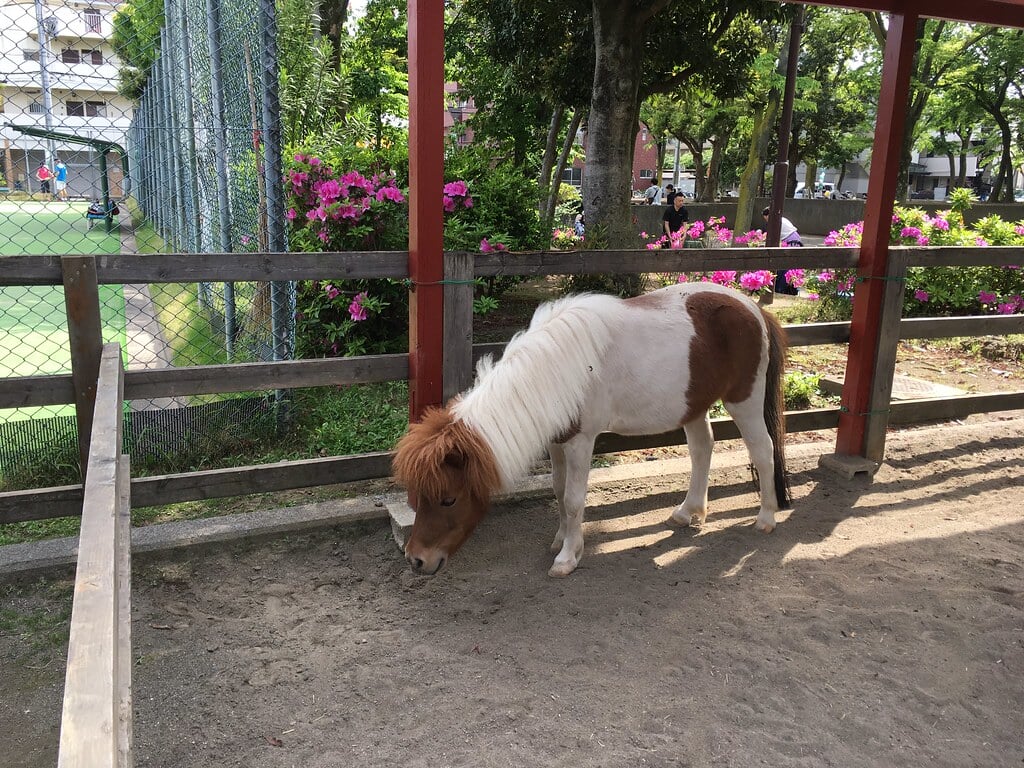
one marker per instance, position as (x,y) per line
(191,335)
(38,616)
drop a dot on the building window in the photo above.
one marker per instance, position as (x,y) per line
(93,57)
(572,176)
(32,55)
(92,20)
(70,56)
(87,108)
(35,108)
(646,173)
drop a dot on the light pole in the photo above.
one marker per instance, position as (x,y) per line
(46,28)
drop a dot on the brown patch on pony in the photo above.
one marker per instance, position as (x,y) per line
(725,351)
(569,433)
(432,448)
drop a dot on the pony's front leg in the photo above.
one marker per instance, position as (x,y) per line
(576,467)
(557,453)
(700,442)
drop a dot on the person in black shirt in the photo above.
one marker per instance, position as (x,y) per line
(676,216)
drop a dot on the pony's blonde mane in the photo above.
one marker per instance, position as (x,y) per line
(536,391)
(437,445)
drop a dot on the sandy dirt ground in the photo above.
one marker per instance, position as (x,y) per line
(882,624)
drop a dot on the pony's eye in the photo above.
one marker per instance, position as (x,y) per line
(448,502)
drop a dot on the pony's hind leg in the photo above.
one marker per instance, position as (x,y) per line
(557,453)
(700,441)
(577,453)
(749,418)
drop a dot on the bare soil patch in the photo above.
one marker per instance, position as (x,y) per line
(881,624)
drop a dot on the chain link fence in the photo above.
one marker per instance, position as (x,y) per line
(141,128)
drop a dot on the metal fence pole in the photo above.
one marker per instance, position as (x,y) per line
(282,294)
(221,160)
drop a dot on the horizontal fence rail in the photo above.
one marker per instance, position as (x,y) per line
(242,377)
(96,721)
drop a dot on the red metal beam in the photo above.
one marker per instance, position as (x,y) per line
(897,67)
(1001,13)
(426,217)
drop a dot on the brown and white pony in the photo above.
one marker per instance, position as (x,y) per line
(590,364)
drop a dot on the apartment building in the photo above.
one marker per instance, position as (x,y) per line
(58,72)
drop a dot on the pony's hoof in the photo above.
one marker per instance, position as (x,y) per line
(765,526)
(681,518)
(561,570)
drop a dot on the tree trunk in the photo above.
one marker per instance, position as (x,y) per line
(612,125)
(548,162)
(563,157)
(1002,190)
(753,172)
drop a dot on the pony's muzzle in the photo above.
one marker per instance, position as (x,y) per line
(428,564)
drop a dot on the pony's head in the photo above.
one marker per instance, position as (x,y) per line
(450,473)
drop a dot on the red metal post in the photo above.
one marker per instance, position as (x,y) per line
(882,185)
(426,217)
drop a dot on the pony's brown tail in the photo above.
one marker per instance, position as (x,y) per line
(774,405)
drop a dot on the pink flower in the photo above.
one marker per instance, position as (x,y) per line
(755,281)
(246,239)
(981,242)
(449,204)
(921,295)
(910,232)
(468,202)
(328,191)
(455,188)
(485,246)
(724,276)
(683,278)
(940,224)
(923,240)
(986,297)
(300,158)
(796,277)
(356,310)
(314,161)
(291,214)
(331,291)
(394,194)
(1007,309)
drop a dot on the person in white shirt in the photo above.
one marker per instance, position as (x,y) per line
(788,236)
(653,194)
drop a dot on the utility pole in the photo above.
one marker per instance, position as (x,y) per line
(46,28)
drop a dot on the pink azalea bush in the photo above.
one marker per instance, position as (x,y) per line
(929,290)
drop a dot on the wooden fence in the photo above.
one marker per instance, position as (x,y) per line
(95,729)
(81,275)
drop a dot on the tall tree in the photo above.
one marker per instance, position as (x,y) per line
(644,48)
(996,71)
(940,48)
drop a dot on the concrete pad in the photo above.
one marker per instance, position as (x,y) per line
(903,388)
(848,466)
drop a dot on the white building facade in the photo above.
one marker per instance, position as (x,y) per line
(58,72)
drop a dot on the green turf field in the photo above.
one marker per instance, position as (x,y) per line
(33,324)
(36,227)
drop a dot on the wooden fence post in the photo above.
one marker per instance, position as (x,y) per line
(458,323)
(880,397)
(85,338)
